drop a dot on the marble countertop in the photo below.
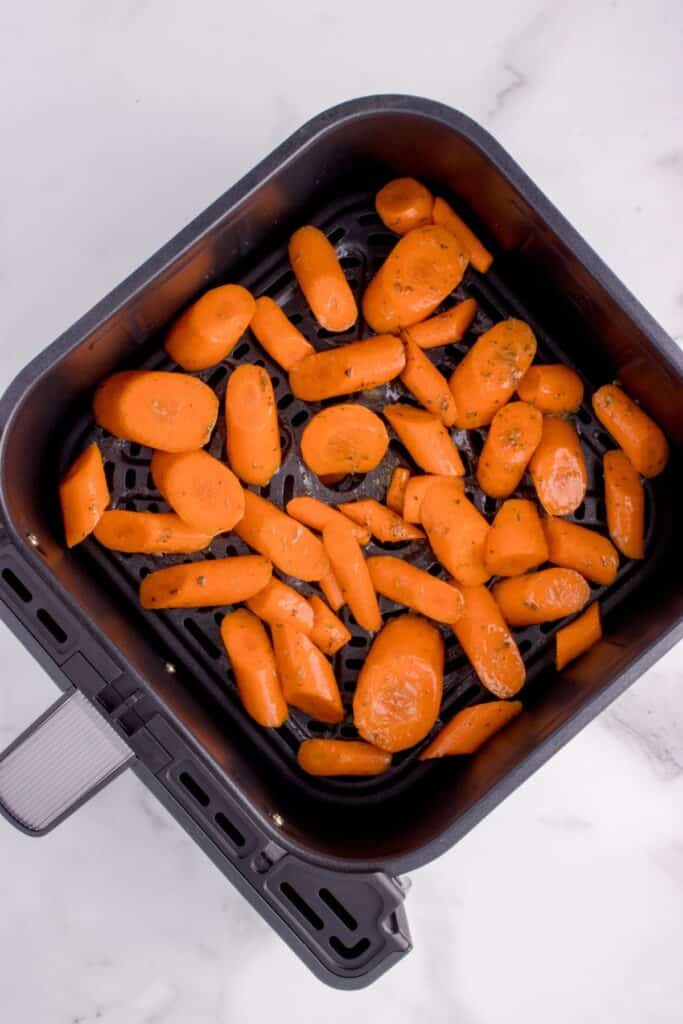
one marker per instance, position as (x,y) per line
(120,122)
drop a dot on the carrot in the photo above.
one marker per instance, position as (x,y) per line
(317,515)
(328,633)
(344,439)
(416,488)
(625,501)
(578,636)
(280,605)
(541,596)
(479,256)
(332,591)
(487,376)
(203,491)
(253,665)
(278,335)
(322,280)
(149,533)
(515,542)
(420,271)
(558,469)
(383,524)
(204,584)
(486,640)
(360,366)
(292,548)
(251,424)
(513,437)
(169,411)
(84,495)
(307,678)
(456,530)
(426,439)
(404,204)
(351,572)
(576,547)
(635,432)
(396,491)
(553,389)
(445,328)
(208,331)
(471,728)
(399,687)
(342,757)
(406,584)
(429,386)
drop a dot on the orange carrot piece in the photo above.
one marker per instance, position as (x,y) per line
(342,757)
(205,584)
(332,591)
(426,439)
(328,632)
(486,640)
(406,584)
(558,468)
(383,524)
(253,665)
(420,271)
(359,366)
(322,280)
(576,547)
(344,439)
(280,605)
(515,542)
(208,331)
(575,639)
(292,548)
(251,424)
(457,532)
(429,386)
(400,685)
(541,596)
(416,488)
(513,437)
(404,204)
(84,495)
(317,515)
(635,432)
(396,491)
(471,728)
(307,678)
(444,214)
(149,533)
(203,491)
(277,334)
(489,373)
(553,389)
(444,329)
(351,572)
(625,501)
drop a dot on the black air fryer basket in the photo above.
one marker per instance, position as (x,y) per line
(320,859)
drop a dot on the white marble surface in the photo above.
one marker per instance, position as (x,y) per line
(120,121)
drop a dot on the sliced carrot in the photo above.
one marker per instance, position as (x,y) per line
(490,372)
(635,432)
(515,542)
(169,411)
(149,533)
(471,728)
(329,632)
(208,331)
(420,271)
(406,584)
(84,495)
(317,515)
(396,491)
(400,685)
(205,584)
(426,439)
(486,640)
(351,572)
(444,329)
(332,591)
(553,389)
(322,280)
(292,548)
(541,596)
(342,757)
(251,424)
(625,501)
(575,639)
(277,334)
(416,488)
(404,204)
(429,386)
(576,547)
(360,366)
(203,491)
(344,439)
(513,437)
(383,524)
(558,468)
(307,678)
(456,530)
(444,214)
(253,665)
(280,605)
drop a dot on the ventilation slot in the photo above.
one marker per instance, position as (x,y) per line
(203,641)
(280,284)
(300,417)
(240,351)
(194,789)
(130,479)
(288,489)
(22,592)
(336,235)
(231,831)
(331,901)
(51,626)
(349,952)
(297,901)
(285,402)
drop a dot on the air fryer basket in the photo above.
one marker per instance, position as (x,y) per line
(315,856)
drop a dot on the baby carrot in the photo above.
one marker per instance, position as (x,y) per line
(203,491)
(444,214)
(456,530)
(488,643)
(552,389)
(149,533)
(397,489)
(360,366)
(204,584)
(575,639)
(558,469)
(322,280)
(487,376)
(426,439)
(328,632)
(576,547)
(430,387)
(625,501)
(635,432)
(515,542)
(208,331)
(342,757)
(280,605)
(292,548)
(307,678)
(445,328)
(541,596)
(317,515)
(513,437)
(471,728)
(277,334)
(416,488)
(383,524)
(169,411)
(344,439)
(404,204)
(251,424)
(253,666)
(406,584)
(84,495)
(352,573)
(332,591)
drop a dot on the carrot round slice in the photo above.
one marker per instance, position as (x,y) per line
(277,334)
(204,584)
(307,678)
(513,437)
(457,532)
(149,533)
(541,596)
(429,386)
(634,431)
(406,584)
(479,256)
(292,548)
(558,468)
(416,488)
(253,665)
(280,605)
(489,373)
(575,639)
(576,547)
(208,331)
(426,439)
(404,204)
(382,523)
(486,640)
(360,366)
(169,411)
(344,439)
(316,514)
(417,275)
(396,490)
(471,728)
(399,688)
(625,501)
(84,495)
(251,424)
(332,591)
(515,542)
(351,572)
(444,329)
(203,491)
(322,280)
(329,632)
(342,757)
(553,389)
